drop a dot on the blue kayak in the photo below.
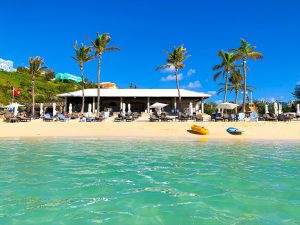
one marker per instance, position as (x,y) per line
(234,131)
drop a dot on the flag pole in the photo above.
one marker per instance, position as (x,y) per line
(13,95)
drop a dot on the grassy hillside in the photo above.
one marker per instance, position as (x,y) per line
(45,90)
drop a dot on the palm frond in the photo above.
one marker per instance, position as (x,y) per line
(216,76)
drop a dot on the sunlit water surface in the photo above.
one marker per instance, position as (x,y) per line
(148,182)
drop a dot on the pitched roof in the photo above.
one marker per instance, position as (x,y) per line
(136,93)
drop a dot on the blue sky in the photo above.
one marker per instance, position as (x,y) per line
(144,28)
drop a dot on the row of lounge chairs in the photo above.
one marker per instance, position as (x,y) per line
(129,117)
(14,119)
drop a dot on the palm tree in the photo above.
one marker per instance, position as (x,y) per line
(246,51)
(35,69)
(225,67)
(100,46)
(235,84)
(82,56)
(176,60)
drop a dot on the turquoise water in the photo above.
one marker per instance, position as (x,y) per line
(151,182)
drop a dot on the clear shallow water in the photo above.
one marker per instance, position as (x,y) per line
(150,182)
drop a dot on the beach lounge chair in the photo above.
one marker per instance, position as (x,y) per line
(165,118)
(24,118)
(253,116)
(226,117)
(285,118)
(218,117)
(182,117)
(119,118)
(129,118)
(270,117)
(61,117)
(48,118)
(90,119)
(241,117)
(232,117)
(199,117)
(153,118)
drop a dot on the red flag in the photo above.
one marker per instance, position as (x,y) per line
(16,91)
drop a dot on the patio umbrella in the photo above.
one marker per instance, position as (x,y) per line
(14,106)
(266,109)
(90,109)
(124,108)
(197,107)
(70,108)
(276,108)
(54,109)
(279,108)
(227,105)
(191,110)
(129,108)
(41,109)
(158,105)
(298,110)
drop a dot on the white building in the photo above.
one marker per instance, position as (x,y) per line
(6,65)
(139,99)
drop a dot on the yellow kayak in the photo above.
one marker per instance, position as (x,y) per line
(199,130)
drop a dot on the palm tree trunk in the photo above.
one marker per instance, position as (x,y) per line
(82,83)
(33,98)
(236,98)
(98,88)
(245,85)
(178,88)
(226,87)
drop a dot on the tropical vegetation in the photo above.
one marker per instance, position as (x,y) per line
(244,52)
(230,64)
(176,60)
(82,55)
(226,66)
(100,46)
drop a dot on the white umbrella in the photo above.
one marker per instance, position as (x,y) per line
(298,110)
(275,108)
(227,105)
(197,107)
(129,108)
(54,109)
(124,108)
(191,110)
(158,105)
(70,108)
(219,110)
(13,105)
(266,109)
(90,109)
(41,109)
(279,108)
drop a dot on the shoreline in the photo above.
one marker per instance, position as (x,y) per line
(254,131)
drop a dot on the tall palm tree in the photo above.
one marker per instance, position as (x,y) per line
(225,67)
(176,59)
(82,56)
(35,69)
(100,46)
(246,51)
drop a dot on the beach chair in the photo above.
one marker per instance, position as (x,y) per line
(24,118)
(199,117)
(241,117)
(48,118)
(218,117)
(165,118)
(153,118)
(269,117)
(284,118)
(232,117)
(226,117)
(62,118)
(253,116)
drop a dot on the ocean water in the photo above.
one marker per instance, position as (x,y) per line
(91,181)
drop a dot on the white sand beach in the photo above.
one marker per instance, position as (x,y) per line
(286,131)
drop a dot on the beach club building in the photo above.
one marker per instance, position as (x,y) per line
(140,100)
